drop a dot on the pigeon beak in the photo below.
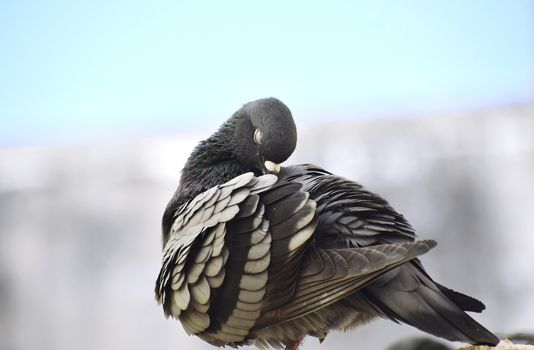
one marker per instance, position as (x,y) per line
(272,167)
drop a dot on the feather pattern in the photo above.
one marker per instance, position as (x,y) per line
(197,259)
(243,256)
(261,259)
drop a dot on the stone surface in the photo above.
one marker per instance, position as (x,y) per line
(503,345)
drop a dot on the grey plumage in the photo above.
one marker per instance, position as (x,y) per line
(261,259)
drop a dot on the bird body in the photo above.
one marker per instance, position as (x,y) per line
(251,257)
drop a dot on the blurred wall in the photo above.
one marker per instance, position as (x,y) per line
(80,225)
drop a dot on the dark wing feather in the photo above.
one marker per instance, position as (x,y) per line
(329,275)
(349,215)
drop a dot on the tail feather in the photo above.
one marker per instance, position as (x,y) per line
(408,295)
(464,302)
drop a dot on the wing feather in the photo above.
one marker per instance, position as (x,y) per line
(348,212)
(347,270)
(198,262)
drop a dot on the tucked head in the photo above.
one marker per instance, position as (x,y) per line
(267,132)
(256,138)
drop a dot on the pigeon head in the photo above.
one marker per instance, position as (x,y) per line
(256,138)
(272,137)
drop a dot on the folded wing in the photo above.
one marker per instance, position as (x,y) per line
(206,269)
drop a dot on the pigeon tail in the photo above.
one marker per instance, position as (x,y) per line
(408,295)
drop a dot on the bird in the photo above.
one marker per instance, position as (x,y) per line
(256,253)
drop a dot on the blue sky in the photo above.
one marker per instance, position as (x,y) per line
(72,71)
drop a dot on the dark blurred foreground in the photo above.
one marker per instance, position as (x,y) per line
(79,226)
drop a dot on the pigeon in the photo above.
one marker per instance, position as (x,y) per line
(259,254)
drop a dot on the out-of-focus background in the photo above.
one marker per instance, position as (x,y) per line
(430,104)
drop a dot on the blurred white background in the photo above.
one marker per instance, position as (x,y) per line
(430,104)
